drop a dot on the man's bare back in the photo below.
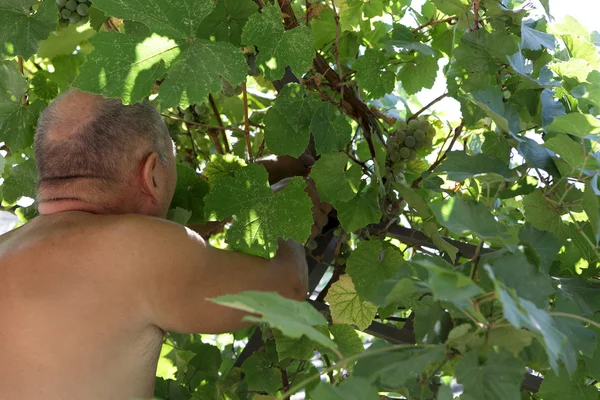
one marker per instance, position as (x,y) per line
(84,300)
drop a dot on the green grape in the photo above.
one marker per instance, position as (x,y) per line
(81,1)
(413,124)
(422,124)
(82,10)
(65,14)
(404,152)
(63,22)
(400,135)
(311,245)
(418,145)
(401,125)
(188,116)
(395,156)
(410,141)
(71,5)
(412,156)
(75,18)
(61,3)
(398,167)
(88,3)
(419,135)
(430,130)
(238,90)
(410,132)
(392,140)
(228,90)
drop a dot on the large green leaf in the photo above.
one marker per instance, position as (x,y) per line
(22,27)
(524,314)
(498,378)
(292,318)
(559,386)
(570,151)
(21,182)
(346,307)
(261,217)
(462,216)
(354,388)
(189,193)
(261,374)
(460,166)
(331,130)
(128,66)
(362,210)
(227,20)
(394,368)
(287,123)
(576,124)
(370,264)
(277,47)
(419,74)
(372,75)
(335,182)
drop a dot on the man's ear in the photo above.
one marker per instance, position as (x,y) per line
(150,177)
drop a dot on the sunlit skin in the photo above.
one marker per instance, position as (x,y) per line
(87,292)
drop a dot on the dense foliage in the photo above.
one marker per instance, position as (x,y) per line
(466,244)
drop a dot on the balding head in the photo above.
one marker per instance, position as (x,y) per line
(100,141)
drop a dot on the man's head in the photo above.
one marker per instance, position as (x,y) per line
(100,152)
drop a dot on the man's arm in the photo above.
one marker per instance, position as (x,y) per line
(178,271)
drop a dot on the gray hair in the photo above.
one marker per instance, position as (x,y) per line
(102,146)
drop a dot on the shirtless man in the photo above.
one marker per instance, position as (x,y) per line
(88,288)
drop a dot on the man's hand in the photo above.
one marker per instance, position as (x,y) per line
(291,255)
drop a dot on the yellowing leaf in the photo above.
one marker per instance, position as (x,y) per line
(346,307)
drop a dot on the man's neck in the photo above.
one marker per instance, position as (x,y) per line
(63,205)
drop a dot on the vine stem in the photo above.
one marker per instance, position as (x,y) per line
(573,316)
(432,102)
(336,51)
(213,105)
(246,122)
(230,128)
(433,22)
(343,362)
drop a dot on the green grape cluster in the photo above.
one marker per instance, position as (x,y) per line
(403,144)
(229,90)
(196,113)
(73,11)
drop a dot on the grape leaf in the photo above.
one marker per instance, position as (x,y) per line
(362,210)
(128,66)
(189,193)
(261,374)
(336,183)
(541,215)
(418,74)
(22,181)
(176,20)
(179,215)
(346,307)
(570,151)
(43,86)
(447,284)
(353,388)
(277,47)
(509,338)
(298,348)
(498,378)
(21,29)
(372,75)
(17,120)
(460,166)
(287,122)
(431,229)
(292,318)
(393,369)
(227,20)
(347,339)
(221,166)
(323,28)
(532,39)
(558,386)
(517,273)
(64,41)
(370,264)
(261,217)
(452,7)
(461,216)
(576,124)
(524,314)
(331,130)
(544,243)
